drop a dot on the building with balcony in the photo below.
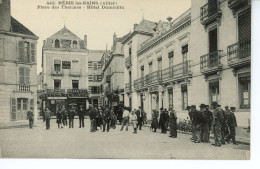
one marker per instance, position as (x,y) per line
(18,67)
(94,76)
(220,50)
(113,74)
(64,71)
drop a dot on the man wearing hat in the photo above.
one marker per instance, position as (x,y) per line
(30,117)
(209,121)
(192,113)
(140,115)
(217,123)
(232,124)
(162,121)
(197,119)
(205,124)
(224,125)
(81,116)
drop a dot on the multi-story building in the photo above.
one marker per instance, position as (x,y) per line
(94,76)
(200,57)
(18,67)
(141,32)
(64,70)
(113,74)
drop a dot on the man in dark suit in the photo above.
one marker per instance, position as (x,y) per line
(71,115)
(232,124)
(81,116)
(209,121)
(106,119)
(140,115)
(92,117)
(217,123)
(197,123)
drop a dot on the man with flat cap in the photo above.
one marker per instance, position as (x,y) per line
(232,124)
(217,123)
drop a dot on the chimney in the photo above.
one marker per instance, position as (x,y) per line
(86,40)
(135,25)
(114,37)
(5,15)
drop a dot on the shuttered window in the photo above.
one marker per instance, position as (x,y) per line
(13,108)
(31,103)
(26,52)
(244,25)
(21,52)
(33,52)
(24,75)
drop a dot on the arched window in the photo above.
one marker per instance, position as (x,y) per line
(57,43)
(74,44)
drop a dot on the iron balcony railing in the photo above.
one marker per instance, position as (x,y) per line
(128,62)
(210,60)
(139,83)
(127,88)
(24,88)
(207,10)
(175,71)
(56,72)
(239,50)
(75,72)
(154,77)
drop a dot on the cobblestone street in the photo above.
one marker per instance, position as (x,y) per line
(80,143)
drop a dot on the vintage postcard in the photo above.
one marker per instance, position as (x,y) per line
(125,79)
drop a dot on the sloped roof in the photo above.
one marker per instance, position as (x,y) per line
(64,33)
(17,27)
(124,37)
(146,26)
(95,55)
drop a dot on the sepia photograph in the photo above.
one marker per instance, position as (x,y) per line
(125,79)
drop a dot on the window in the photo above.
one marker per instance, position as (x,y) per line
(99,65)
(130,52)
(142,71)
(214,90)
(90,65)
(57,43)
(160,63)
(24,52)
(170,91)
(75,84)
(57,65)
(244,25)
(95,65)
(22,104)
(150,67)
(212,7)
(90,78)
(170,56)
(245,90)
(33,52)
(94,89)
(213,40)
(24,76)
(57,84)
(184,95)
(185,53)
(75,44)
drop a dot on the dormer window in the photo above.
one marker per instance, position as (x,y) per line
(75,44)
(57,43)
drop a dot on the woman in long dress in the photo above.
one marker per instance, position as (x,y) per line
(173,123)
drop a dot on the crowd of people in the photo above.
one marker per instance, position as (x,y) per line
(222,123)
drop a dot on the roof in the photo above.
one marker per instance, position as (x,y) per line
(123,38)
(17,27)
(95,55)
(64,33)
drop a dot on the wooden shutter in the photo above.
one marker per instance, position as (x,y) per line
(33,52)
(31,103)
(99,89)
(27,75)
(21,75)
(244,25)
(21,51)
(13,108)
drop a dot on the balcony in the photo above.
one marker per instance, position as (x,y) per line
(128,88)
(239,54)
(128,62)
(210,63)
(235,5)
(75,72)
(23,88)
(210,14)
(139,84)
(176,72)
(153,78)
(57,73)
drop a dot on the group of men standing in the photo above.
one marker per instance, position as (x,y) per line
(221,123)
(166,121)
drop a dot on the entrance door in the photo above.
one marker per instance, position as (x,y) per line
(213,47)
(22,108)
(95,101)
(214,91)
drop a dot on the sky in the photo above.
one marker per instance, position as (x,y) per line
(99,24)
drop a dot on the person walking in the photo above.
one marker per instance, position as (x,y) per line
(125,119)
(140,115)
(30,117)
(133,119)
(71,115)
(106,119)
(232,124)
(173,122)
(81,116)
(217,123)
(59,118)
(47,118)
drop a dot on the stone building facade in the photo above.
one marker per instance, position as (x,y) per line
(18,67)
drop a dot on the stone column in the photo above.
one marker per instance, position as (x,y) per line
(160,99)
